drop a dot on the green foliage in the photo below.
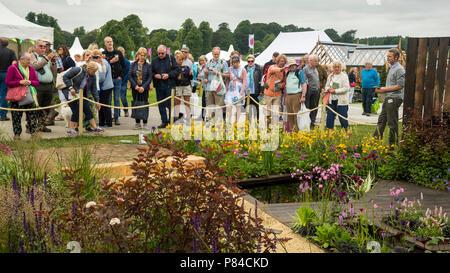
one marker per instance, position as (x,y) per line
(207,33)
(223,37)
(328,235)
(159,38)
(304,217)
(137,32)
(59,37)
(119,32)
(241,34)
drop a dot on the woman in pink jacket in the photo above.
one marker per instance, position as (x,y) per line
(22,73)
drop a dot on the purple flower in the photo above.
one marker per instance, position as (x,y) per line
(341,220)
(357,155)
(214,243)
(198,140)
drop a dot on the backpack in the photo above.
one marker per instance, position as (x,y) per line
(297,74)
(60,85)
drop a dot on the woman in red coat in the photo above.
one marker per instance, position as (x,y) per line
(22,73)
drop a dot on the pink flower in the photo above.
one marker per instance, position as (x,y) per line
(320,186)
(375,206)
(341,220)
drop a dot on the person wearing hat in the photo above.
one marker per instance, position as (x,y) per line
(46,68)
(254,76)
(295,92)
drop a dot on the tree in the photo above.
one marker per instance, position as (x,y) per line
(137,32)
(207,34)
(172,34)
(348,36)
(79,32)
(90,37)
(119,33)
(268,39)
(259,47)
(194,41)
(186,27)
(334,36)
(223,37)
(159,38)
(241,33)
(45,20)
(274,28)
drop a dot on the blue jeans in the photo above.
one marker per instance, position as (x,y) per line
(3,91)
(117,90)
(123,94)
(367,94)
(162,92)
(342,110)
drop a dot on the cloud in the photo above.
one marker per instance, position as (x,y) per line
(369,17)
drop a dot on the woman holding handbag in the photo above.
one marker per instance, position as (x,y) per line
(22,76)
(236,88)
(140,77)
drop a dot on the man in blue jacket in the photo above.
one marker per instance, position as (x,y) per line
(165,71)
(369,81)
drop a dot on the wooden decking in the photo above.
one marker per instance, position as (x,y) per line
(380,193)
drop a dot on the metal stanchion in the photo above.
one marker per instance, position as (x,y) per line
(80,114)
(247,110)
(172,105)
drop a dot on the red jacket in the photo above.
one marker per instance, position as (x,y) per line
(13,77)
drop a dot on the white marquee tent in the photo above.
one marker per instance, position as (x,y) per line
(76,48)
(292,44)
(14,26)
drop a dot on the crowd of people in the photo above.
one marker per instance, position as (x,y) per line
(102,75)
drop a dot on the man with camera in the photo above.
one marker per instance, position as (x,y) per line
(44,62)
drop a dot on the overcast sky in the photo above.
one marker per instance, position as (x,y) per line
(369,17)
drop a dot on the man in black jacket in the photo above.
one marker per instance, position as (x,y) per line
(118,71)
(254,76)
(7,58)
(165,71)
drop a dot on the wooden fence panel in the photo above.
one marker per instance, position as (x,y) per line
(430,78)
(420,77)
(444,43)
(410,81)
(427,83)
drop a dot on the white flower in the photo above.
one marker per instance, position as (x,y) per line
(90,204)
(114,221)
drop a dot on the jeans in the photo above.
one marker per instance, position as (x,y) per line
(162,92)
(367,94)
(311,102)
(341,110)
(123,94)
(117,91)
(203,103)
(389,115)
(3,91)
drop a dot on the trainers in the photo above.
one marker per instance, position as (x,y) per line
(137,126)
(45,130)
(72,132)
(98,130)
(116,121)
(145,127)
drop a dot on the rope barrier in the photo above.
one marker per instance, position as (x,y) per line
(188,103)
(39,108)
(130,107)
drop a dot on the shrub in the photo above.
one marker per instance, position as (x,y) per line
(176,208)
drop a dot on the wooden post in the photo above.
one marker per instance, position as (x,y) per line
(247,111)
(172,105)
(80,112)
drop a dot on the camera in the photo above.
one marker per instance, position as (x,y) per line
(95,57)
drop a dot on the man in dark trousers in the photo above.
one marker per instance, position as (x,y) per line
(165,71)
(313,89)
(118,71)
(7,58)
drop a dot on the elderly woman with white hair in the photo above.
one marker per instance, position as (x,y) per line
(22,75)
(338,87)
